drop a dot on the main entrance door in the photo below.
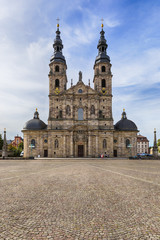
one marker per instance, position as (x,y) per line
(115,153)
(45,153)
(80,151)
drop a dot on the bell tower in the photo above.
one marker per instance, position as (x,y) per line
(58,67)
(103,82)
(57,75)
(102,67)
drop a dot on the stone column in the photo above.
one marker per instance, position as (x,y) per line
(97,148)
(28,144)
(89,144)
(40,150)
(64,146)
(155,147)
(50,151)
(4,148)
(71,145)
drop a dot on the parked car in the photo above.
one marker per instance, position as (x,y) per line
(143,154)
(149,155)
(21,154)
(134,157)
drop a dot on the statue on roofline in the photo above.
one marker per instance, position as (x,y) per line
(80,76)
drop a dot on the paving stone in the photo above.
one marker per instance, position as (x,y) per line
(80,199)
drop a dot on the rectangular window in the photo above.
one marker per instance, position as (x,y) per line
(80,114)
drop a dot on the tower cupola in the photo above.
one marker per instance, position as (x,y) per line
(58,46)
(102,48)
(124,116)
(36,114)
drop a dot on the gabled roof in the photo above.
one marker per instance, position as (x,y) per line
(80,85)
(141,138)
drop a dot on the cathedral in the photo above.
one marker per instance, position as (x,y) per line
(80,121)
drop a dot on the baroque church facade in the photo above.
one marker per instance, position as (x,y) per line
(80,122)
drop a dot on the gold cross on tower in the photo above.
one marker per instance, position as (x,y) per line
(102,22)
(57,22)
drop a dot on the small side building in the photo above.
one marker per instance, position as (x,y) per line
(142,144)
(17,140)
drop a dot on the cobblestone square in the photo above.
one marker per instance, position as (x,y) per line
(80,199)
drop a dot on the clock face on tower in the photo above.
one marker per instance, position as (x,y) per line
(57,91)
(104,91)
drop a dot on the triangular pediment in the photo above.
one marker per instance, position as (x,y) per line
(80,88)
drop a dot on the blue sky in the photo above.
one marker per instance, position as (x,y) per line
(26,37)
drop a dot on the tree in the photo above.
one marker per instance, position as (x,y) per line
(1,142)
(19,149)
(20,146)
(16,152)
(158,144)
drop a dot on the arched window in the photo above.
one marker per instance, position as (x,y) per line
(60,114)
(103,83)
(127,143)
(56,68)
(80,114)
(92,109)
(57,83)
(56,143)
(104,143)
(68,110)
(103,69)
(102,49)
(33,143)
(100,114)
(57,49)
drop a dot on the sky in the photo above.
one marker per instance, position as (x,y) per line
(27,32)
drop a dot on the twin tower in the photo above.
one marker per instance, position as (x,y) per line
(102,66)
(58,78)
(80,122)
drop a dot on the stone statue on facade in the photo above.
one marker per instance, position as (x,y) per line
(80,76)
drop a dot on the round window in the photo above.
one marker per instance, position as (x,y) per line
(45,141)
(80,91)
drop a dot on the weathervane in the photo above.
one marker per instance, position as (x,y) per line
(102,22)
(57,22)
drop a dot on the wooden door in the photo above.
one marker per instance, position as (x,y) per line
(45,153)
(80,151)
(115,153)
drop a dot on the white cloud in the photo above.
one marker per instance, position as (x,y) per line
(140,69)
(24,83)
(14,10)
(26,47)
